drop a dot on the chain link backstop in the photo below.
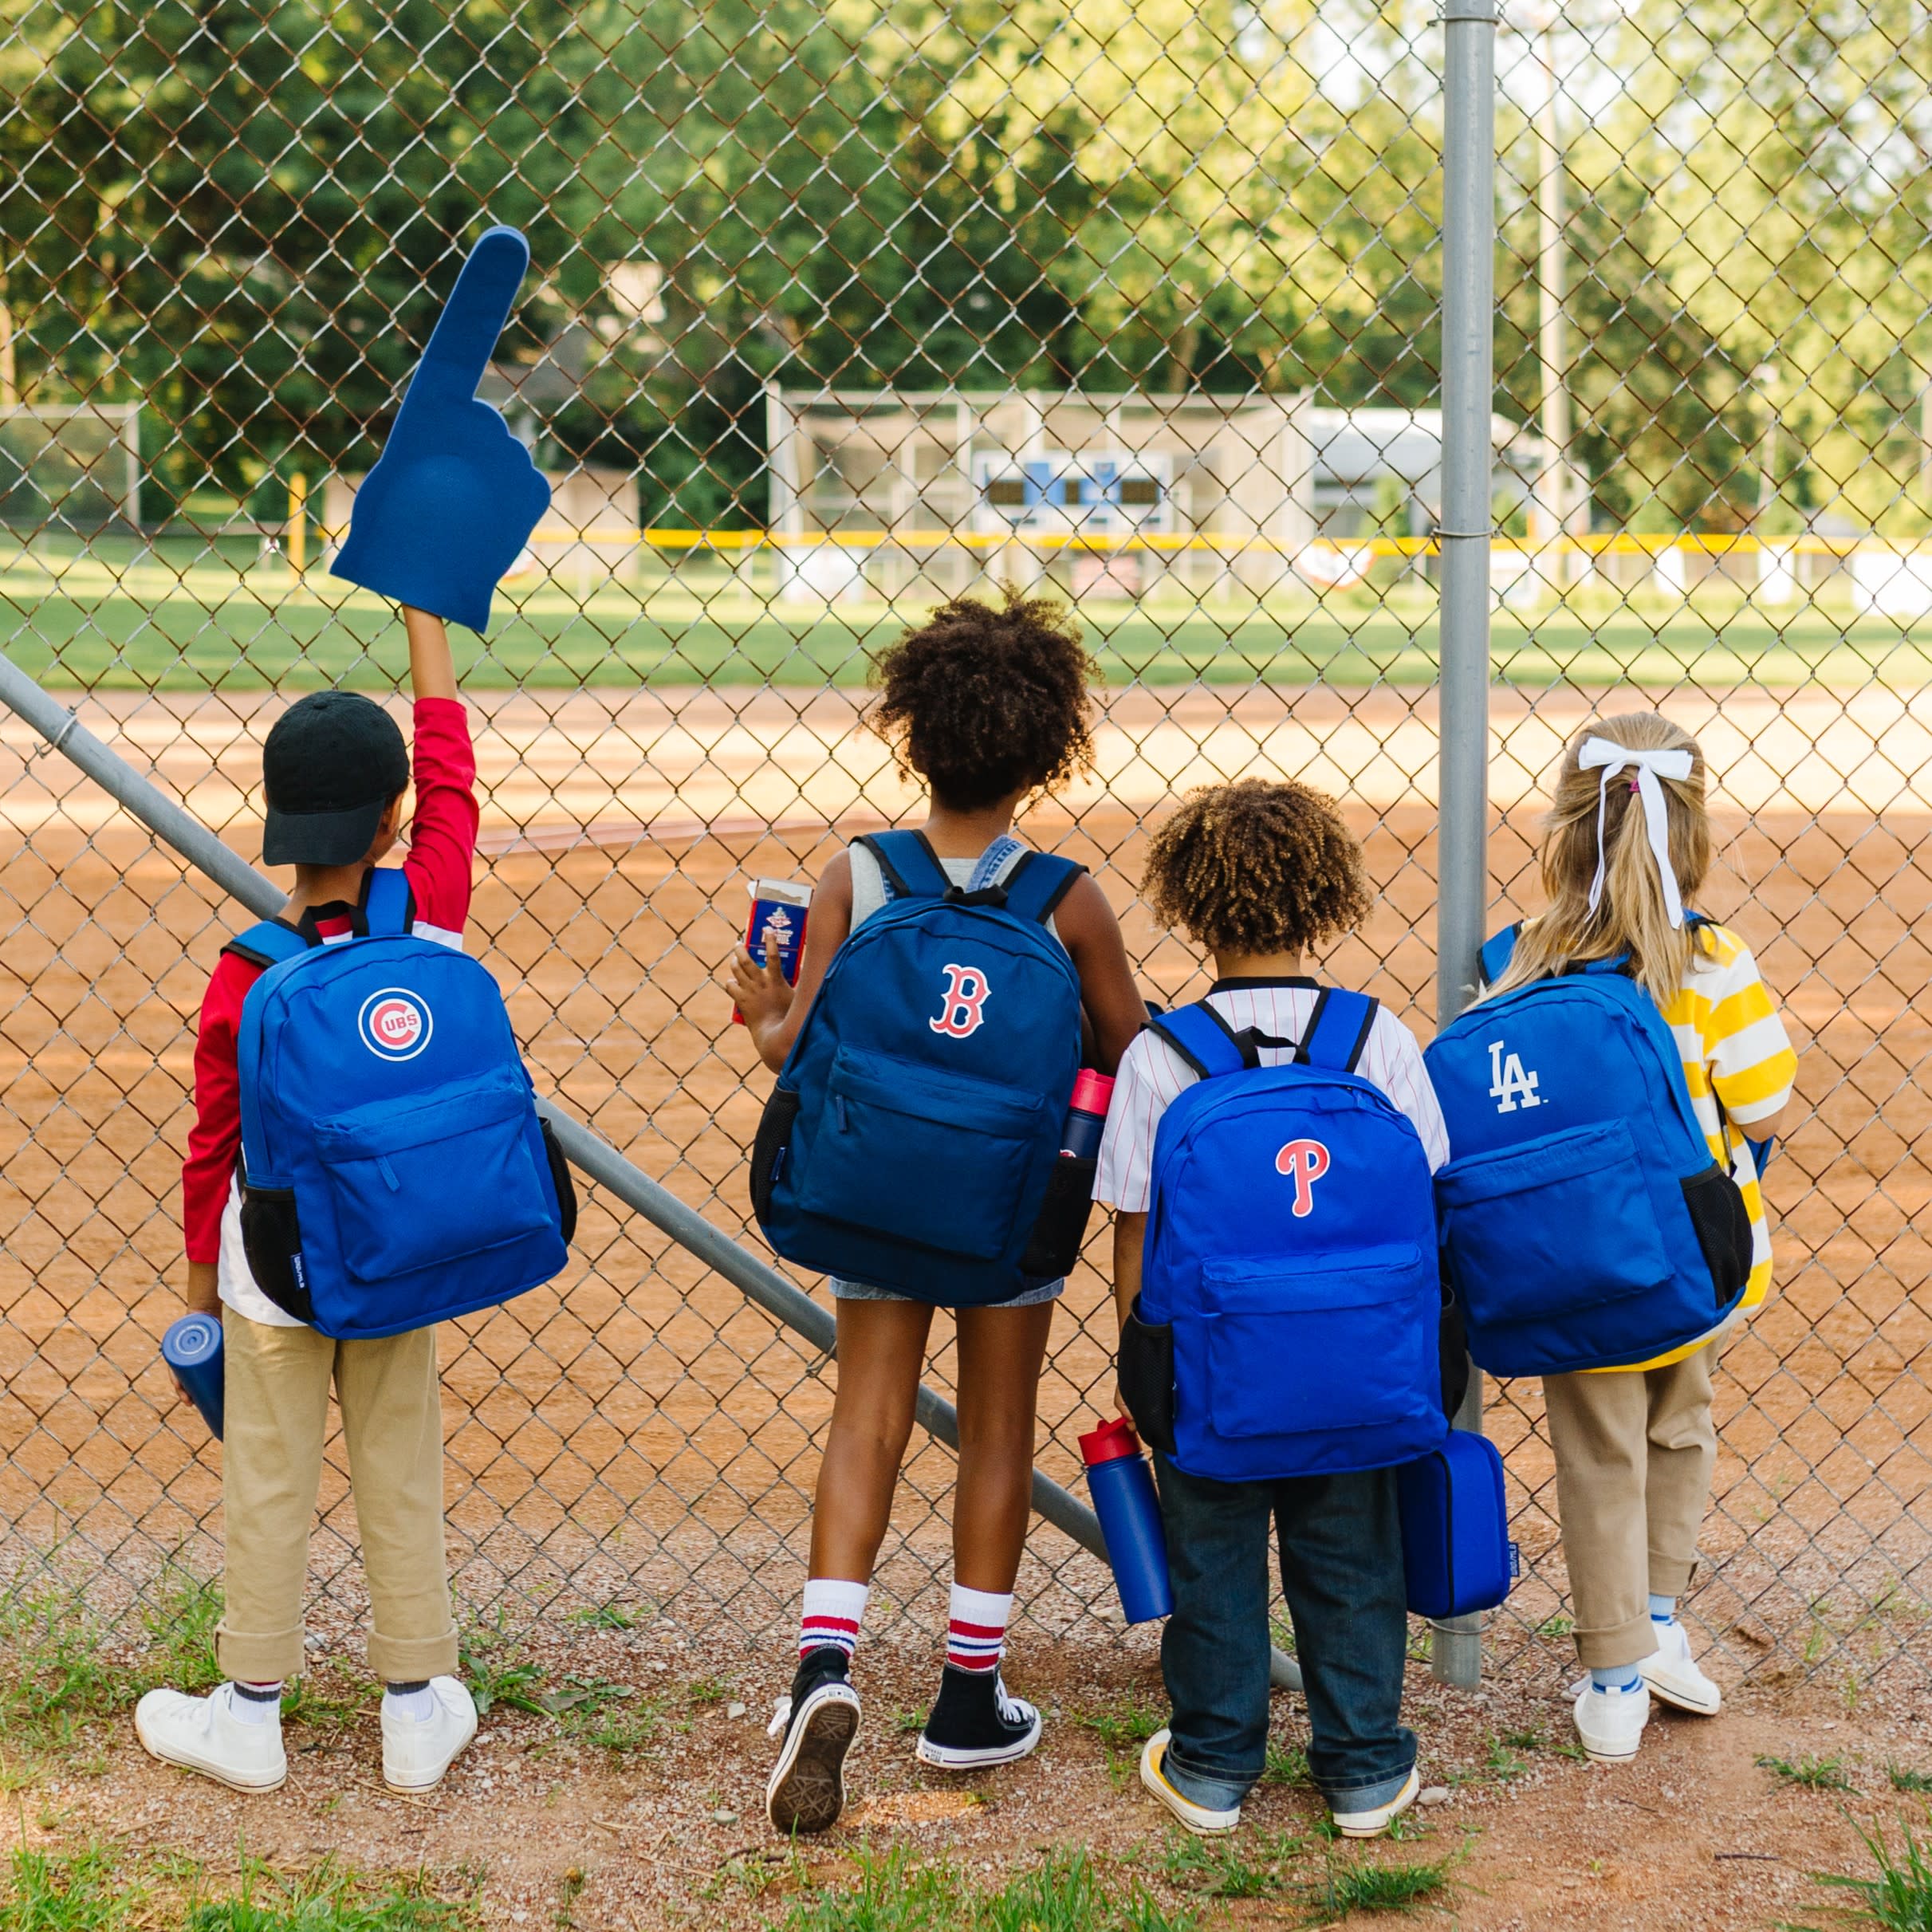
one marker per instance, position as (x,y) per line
(838,309)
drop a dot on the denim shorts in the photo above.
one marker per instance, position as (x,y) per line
(859,1291)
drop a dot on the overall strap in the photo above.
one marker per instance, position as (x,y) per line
(1206,1040)
(1338,1030)
(267,944)
(1036,885)
(387,909)
(907,865)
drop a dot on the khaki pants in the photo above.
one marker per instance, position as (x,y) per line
(1634,1450)
(277,1413)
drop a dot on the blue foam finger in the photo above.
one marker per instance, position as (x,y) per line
(453,497)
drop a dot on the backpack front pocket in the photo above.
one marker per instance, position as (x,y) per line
(1340,1341)
(432,1178)
(939,1160)
(1556,1227)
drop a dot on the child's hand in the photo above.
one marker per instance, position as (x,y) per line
(764,995)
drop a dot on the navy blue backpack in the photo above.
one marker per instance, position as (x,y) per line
(1585,1223)
(1290,1304)
(913,1135)
(395,1171)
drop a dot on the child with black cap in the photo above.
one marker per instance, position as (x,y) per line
(334,773)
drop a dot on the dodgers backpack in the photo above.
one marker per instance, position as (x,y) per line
(1289,1302)
(1585,1223)
(395,1171)
(914,1130)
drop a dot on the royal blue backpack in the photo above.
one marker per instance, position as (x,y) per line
(1289,1296)
(915,1130)
(1585,1223)
(395,1172)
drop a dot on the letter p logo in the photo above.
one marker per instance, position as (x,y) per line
(1305,1162)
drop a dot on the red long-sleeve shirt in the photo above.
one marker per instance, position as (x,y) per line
(442,848)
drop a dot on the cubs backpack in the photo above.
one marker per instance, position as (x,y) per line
(1290,1304)
(1585,1223)
(395,1171)
(913,1137)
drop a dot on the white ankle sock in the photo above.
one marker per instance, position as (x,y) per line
(256,1703)
(834,1608)
(1663,1609)
(976,1629)
(415,1702)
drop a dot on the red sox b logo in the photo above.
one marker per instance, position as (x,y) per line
(965,995)
(1307,1161)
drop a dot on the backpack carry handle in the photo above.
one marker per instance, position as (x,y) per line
(1032,891)
(1334,1040)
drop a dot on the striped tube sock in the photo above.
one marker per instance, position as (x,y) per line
(976,1633)
(833,1611)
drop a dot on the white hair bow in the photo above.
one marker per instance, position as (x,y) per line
(1650,767)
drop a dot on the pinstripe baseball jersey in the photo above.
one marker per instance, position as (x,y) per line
(1152,1076)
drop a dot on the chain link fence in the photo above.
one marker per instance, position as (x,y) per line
(838,311)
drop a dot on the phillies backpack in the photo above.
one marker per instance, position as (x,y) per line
(1585,1223)
(395,1171)
(914,1134)
(1289,1297)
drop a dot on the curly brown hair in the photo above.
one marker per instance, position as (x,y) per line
(981,703)
(1259,866)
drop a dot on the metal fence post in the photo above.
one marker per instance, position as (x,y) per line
(1469,294)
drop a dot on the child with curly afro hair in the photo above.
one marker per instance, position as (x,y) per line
(1259,873)
(985,707)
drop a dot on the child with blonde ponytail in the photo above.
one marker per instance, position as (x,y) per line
(1627,846)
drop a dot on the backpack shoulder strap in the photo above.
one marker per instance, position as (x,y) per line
(1036,885)
(1206,1040)
(907,865)
(1338,1030)
(388,905)
(267,944)
(1498,950)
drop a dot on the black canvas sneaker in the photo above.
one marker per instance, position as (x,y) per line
(818,1721)
(976,1723)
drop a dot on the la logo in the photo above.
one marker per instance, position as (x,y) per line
(961,1004)
(1509,1086)
(1304,1161)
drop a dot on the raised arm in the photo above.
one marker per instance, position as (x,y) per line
(432,671)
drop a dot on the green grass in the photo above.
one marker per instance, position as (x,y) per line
(1065,1892)
(1123,1723)
(1811,1772)
(87,1891)
(1903,1777)
(1899,1899)
(1365,1888)
(187,618)
(1247,1866)
(1287,1764)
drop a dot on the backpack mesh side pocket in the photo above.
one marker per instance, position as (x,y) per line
(272,1239)
(767,1148)
(1147,1378)
(1723,1225)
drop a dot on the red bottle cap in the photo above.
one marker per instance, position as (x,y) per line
(1109,1443)
(1093,1092)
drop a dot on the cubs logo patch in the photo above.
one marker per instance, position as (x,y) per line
(1304,1161)
(394,1024)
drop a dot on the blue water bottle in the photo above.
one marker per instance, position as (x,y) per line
(192,1349)
(1129,1510)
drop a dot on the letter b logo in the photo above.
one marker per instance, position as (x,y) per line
(961,1004)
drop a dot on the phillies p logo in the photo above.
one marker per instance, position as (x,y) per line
(960,1009)
(1304,1161)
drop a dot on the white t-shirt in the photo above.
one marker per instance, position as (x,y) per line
(1153,1075)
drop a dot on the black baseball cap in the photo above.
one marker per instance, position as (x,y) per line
(332,762)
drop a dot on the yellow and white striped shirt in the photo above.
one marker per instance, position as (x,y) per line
(1736,1054)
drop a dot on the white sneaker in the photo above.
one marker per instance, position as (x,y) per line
(1673,1674)
(417,1751)
(204,1734)
(1611,1722)
(1201,1820)
(1374,1822)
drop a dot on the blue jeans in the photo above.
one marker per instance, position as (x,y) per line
(1342,1574)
